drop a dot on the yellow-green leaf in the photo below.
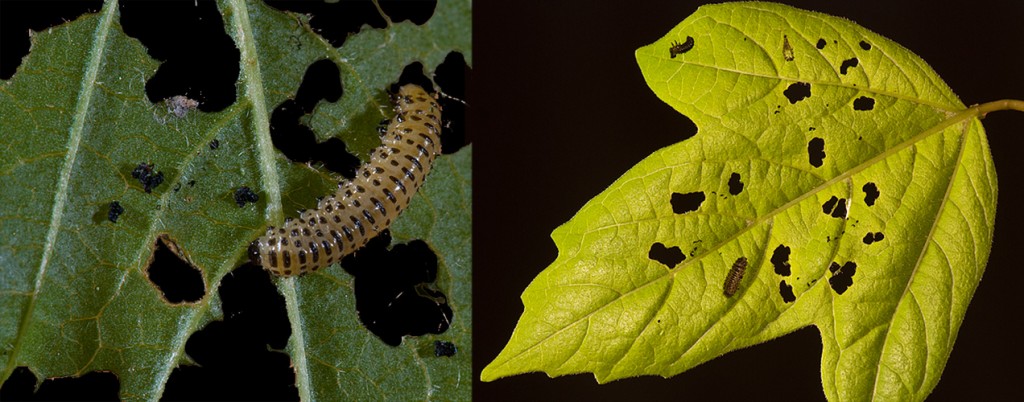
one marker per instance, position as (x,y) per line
(858,187)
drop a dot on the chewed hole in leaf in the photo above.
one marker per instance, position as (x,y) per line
(297,141)
(334,21)
(821,43)
(863,103)
(735,184)
(870,193)
(669,256)
(450,76)
(780,260)
(835,207)
(847,64)
(188,38)
(239,357)
(94,385)
(842,276)
(22,16)
(864,45)
(177,279)
(873,237)
(418,12)
(816,151)
(797,92)
(688,202)
(396,293)
(786,291)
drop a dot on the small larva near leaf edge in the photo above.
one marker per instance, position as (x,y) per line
(362,207)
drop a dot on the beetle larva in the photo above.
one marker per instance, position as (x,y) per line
(732,281)
(362,207)
(680,48)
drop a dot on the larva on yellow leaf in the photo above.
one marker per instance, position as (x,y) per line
(362,207)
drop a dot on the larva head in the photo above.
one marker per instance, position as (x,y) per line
(254,253)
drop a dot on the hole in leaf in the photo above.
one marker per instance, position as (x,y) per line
(395,290)
(852,62)
(816,151)
(735,185)
(863,103)
(91,386)
(870,193)
(842,277)
(450,76)
(178,281)
(419,12)
(821,43)
(873,237)
(840,211)
(18,17)
(864,45)
(670,257)
(235,356)
(829,205)
(188,38)
(689,202)
(335,21)
(786,291)
(780,259)
(797,92)
(444,349)
(297,141)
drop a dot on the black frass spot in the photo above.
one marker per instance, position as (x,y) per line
(444,349)
(146,177)
(689,202)
(115,211)
(670,257)
(245,195)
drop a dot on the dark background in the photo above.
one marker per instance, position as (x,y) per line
(559,110)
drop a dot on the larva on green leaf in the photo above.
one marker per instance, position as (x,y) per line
(732,280)
(362,207)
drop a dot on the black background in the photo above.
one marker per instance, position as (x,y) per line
(559,110)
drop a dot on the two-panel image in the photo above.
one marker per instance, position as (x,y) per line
(457,200)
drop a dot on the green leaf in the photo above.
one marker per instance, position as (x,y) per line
(75,122)
(620,300)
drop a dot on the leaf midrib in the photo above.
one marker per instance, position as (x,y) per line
(61,195)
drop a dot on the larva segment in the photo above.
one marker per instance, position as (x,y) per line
(366,205)
(732,280)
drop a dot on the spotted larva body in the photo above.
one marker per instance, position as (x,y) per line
(366,205)
(732,280)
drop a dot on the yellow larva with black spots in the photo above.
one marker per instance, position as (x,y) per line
(366,205)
